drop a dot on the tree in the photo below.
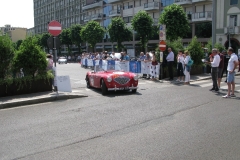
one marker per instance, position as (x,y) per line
(119,32)
(75,35)
(43,40)
(31,58)
(6,55)
(142,23)
(218,46)
(196,51)
(204,30)
(18,43)
(176,22)
(92,33)
(66,39)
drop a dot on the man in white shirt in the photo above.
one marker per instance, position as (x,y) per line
(214,63)
(170,60)
(232,65)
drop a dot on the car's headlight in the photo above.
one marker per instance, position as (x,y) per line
(135,77)
(109,79)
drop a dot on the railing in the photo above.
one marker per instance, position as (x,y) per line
(97,16)
(201,15)
(114,12)
(93,5)
(151,5)
(183,1)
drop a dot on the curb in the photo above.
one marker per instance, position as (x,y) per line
(40,100)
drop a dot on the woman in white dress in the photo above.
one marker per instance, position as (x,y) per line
(187,68)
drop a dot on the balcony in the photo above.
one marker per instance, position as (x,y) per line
(155,21)
(232,30)
(114,13)
(95,4)
(202,17)
(97,17)
(114,1)
(151,6)
(183,2)
(196,1)
(87,18)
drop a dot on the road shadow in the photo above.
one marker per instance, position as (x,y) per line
(112,94)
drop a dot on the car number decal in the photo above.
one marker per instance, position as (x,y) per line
(92,81)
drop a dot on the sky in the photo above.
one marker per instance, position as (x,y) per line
(17,13)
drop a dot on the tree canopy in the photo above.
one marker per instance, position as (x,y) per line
(65,38)
(119,32)
(75,35)
(92,33)
(176,22)
(6,55)
(142,23)
(30,57)
(196,51)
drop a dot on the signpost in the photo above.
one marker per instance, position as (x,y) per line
(162,33)
(162,45)
(54,28)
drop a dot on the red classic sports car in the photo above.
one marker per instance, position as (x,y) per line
(112,80)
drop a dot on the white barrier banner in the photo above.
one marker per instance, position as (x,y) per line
(122,66)
(145,67)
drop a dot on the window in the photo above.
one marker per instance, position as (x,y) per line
(233,2)
(233,20)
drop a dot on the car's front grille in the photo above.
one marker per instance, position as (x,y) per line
(122,80)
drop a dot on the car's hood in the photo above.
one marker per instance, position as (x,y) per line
(115,73)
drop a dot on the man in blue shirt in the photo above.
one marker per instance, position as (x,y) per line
(125,57)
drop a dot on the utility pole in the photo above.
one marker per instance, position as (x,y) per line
(214,6)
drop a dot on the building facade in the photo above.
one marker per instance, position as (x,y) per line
(15,33)
(67,12)
(199,13)
(228,23)
(31,31)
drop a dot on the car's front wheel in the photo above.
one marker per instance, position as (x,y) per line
(134,90)
(104,87)
(88,82)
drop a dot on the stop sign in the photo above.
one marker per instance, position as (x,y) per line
(54,28)
(162,45)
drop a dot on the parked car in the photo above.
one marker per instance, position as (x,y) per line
(112,80)
(62,60)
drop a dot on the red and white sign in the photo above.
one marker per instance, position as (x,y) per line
(54,28)
(162,45)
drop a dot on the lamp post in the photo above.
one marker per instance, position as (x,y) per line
(213,22)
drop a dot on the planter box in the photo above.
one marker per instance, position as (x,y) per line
(31,87)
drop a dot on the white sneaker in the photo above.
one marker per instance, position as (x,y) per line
(178,80)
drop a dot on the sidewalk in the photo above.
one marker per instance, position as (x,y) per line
(34,98)
(41,97)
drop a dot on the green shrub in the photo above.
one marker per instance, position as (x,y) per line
(196,51)
(6,55)
(31,58)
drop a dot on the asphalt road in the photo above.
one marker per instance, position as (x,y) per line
(162,121)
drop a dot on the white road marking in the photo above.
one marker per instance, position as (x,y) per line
(198,82)
(206,85)
(87,89)
(141,83)
(226,87)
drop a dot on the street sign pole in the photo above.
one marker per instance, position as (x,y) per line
(55,64)
(55,28)
(161,66)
